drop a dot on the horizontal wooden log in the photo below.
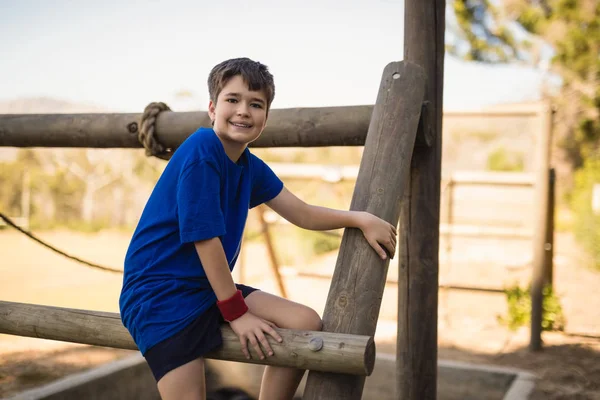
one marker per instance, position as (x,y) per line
(291,127)
(487,178)
(394,281)
(319,351)
(301,127)
(336,173)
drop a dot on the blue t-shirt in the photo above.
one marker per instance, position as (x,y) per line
(200,195)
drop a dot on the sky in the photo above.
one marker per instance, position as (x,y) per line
(123,54)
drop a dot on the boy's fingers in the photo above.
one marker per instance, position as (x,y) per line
(378,249)
(381,252)
(254,344)
(244,344)
(265,343)
(391,246)
(273,332)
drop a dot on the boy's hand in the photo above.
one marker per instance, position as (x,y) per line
(249,327)
(378,233)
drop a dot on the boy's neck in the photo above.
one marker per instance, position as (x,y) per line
(233,150)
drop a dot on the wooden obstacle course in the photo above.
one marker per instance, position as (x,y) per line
(400,174)
(358,285)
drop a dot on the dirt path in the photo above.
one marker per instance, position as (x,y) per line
(568,368)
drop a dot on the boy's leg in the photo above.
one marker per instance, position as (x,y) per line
(185,382)
(280,383)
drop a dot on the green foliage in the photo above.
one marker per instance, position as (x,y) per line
(67,193)
(519,309)
(502,160)
(571,28)
(318,243)
(148,168)
(481,136)
(586,222)
(481,33)
(25,169)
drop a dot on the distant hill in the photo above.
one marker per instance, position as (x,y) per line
(46,105)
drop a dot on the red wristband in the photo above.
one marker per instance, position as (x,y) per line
(234,307)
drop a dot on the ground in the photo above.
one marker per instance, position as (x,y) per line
(468,329)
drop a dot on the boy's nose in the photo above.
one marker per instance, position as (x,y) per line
(242,110)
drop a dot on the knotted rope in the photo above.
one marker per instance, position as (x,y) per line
(147,131)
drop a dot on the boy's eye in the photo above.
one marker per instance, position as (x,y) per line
(233,101)
(256,105)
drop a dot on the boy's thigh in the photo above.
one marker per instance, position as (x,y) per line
(184,382)
(282,312)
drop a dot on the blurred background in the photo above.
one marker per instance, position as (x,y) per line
(504,59)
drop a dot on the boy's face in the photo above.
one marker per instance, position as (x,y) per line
(239,115)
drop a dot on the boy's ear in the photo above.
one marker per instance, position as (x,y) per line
(211,110)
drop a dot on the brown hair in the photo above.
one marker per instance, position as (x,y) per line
(255,74)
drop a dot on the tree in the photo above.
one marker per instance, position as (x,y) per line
(561,35)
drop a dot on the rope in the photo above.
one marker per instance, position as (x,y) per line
(31,236)
(146,134)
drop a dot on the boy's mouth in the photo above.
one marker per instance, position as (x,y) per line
(240,125)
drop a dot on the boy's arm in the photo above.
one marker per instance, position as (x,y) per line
(248,327)
(312,217)
(215,265)
(376,231)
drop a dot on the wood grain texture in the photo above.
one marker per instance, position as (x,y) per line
(290,127)
(541,252)
(359,278)
(418,263)
(349,354)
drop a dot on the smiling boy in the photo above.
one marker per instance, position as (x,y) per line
(177,287)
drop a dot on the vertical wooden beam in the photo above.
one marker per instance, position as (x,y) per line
(450,217)
(359,278)
(549,265)
(540,253)
(26,199)
(424,24)
(273,261)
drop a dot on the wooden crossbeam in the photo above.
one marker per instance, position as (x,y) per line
(289,127)
(319,351)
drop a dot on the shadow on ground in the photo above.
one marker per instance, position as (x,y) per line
(565,371)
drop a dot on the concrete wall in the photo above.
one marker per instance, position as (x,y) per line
(131,379)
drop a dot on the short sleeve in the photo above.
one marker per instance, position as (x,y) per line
(199,203)
(265,184)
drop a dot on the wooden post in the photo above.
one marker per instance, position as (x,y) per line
(543,147)
(322,351)
(549,259)
(26,199)
(450,216)
(418,261)
(273,261)
(359,278)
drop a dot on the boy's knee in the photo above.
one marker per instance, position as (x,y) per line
(310,320)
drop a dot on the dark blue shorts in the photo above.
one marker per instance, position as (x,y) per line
(195,340)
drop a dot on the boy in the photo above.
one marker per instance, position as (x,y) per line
(177,286)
